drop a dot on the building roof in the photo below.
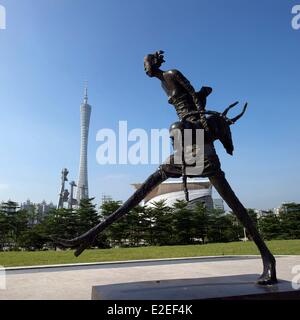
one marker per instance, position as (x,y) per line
(170,186)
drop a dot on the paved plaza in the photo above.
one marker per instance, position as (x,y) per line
(76,281)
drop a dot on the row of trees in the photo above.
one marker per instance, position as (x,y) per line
(158,225)
(25,229)
(163,225)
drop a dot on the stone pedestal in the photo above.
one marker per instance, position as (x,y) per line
(241,287)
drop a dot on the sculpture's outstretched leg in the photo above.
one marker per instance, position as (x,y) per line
(87,239)
(222,186)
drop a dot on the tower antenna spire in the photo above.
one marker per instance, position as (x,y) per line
(85,100)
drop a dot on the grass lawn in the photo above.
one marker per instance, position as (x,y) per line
(12,259)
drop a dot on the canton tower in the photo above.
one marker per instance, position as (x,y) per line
(85,115)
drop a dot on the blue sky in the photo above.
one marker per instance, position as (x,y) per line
(245,50)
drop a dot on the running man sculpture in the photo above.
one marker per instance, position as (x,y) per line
(190,108)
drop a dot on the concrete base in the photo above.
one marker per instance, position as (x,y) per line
(228,287)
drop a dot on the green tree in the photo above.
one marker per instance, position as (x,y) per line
(9,223)
(290,225)
(161,223)
(92,217)
(184,223)
(223,227)
(61,223)
(4,229)
(201,222)
(21,221)
(253,216)
(87,214)
(34,238)
(270,227)
(135,226)
(236,229)
(115,233)
(290,207)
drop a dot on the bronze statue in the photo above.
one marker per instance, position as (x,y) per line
(190,108)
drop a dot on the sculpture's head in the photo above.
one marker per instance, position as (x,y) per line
(152,63)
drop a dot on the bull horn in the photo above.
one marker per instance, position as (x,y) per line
(233,120)
(227,109)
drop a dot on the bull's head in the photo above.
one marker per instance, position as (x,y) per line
(220,124)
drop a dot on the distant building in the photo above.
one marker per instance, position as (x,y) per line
(287,207)
(263,213)
(43,208)
(105,198)
(200,190)
(9,206)
(38,210)
(276,211)
(219,204)
(28,205)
